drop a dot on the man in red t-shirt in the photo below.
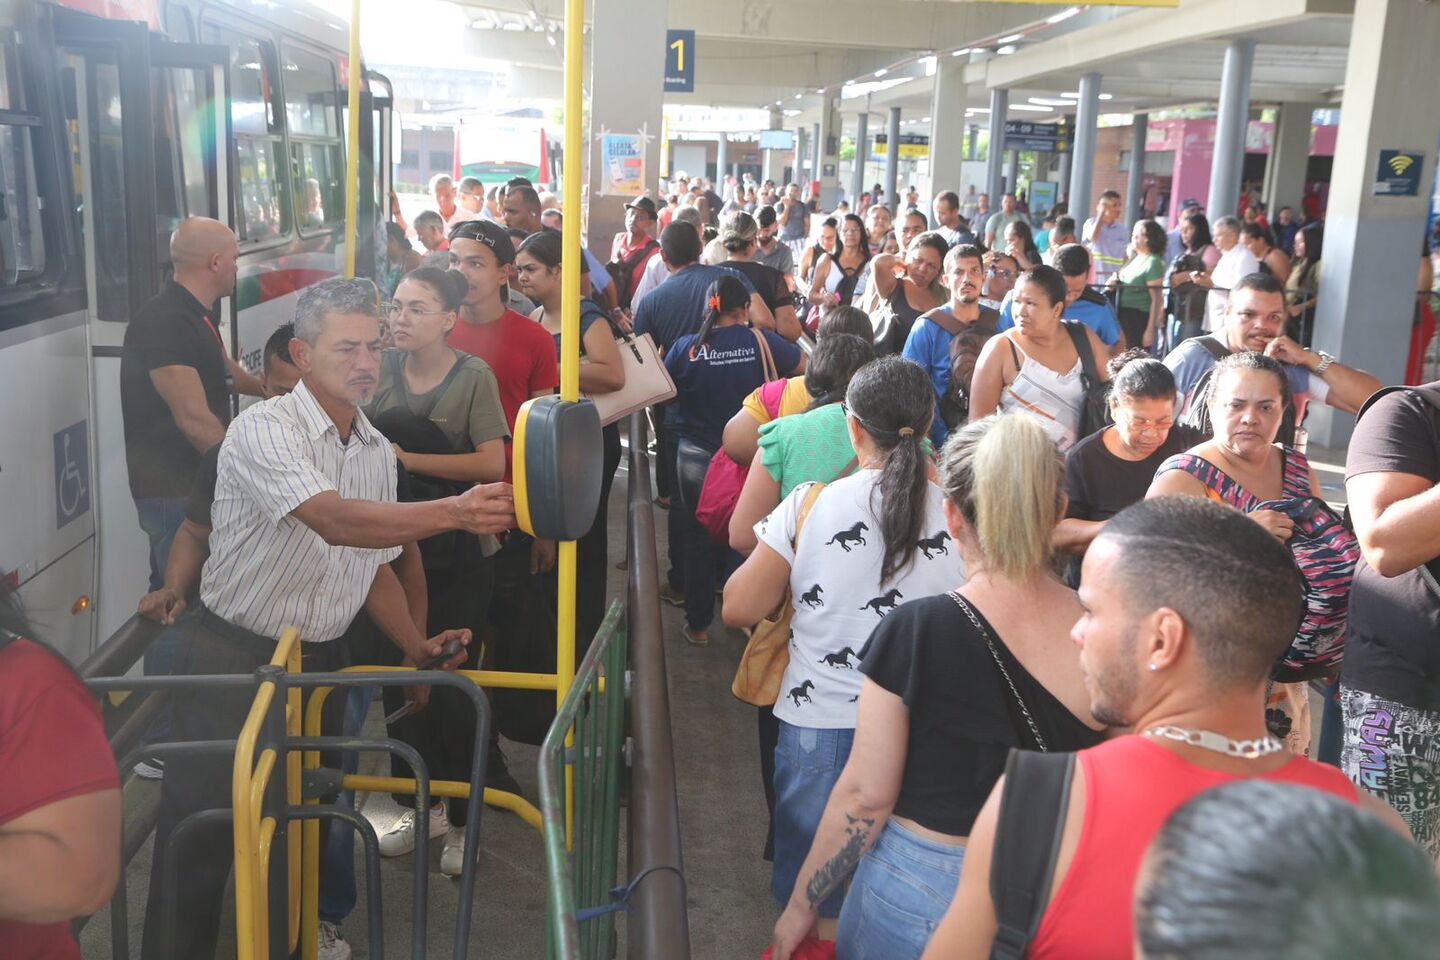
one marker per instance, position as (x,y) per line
(518,349)
(1187,606)
(59,803)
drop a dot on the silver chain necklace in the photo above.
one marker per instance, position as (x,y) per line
(1210,740)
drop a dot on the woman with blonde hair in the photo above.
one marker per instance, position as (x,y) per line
(951,683)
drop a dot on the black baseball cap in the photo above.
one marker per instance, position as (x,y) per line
(644,204)
(492,234)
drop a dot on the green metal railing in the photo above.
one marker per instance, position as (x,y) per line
(582,758)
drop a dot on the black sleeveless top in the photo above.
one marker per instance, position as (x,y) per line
(963,717)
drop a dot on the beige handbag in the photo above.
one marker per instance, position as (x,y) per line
(647,382)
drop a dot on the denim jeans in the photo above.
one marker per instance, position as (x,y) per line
(337,859)
(808,761)
(702,559)
(160,518)
(898,895)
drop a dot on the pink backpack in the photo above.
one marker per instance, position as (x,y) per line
(724,477)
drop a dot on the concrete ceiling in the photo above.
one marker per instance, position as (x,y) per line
(752,53)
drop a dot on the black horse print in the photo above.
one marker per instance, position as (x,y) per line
(847,537)
(884,603)
(841,658)
(811,597)
(801,692)
(935,543)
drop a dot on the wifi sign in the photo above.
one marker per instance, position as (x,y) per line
(1397,174)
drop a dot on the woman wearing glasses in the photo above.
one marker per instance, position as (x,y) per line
(1112,468)
(441,409)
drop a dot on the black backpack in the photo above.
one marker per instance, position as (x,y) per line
(1095,414)
(1197,410)
(622,269)
(1027,845)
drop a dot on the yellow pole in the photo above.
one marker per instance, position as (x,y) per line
(570,346)
(352,150)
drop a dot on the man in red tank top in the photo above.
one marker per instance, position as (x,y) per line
(1188,604)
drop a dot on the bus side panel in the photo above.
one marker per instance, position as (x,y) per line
(47,479)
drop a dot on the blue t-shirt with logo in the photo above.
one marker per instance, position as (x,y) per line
(712,383)
(1090,308)
(677,306)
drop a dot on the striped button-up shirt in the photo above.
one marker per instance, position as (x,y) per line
(267,570)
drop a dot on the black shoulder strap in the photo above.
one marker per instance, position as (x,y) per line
(1213,346)
(1027,845)
(1081,340)
(433,397)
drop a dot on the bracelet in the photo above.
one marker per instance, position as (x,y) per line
(1325,361)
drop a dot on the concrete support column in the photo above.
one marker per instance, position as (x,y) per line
(995,154)
(892,160)
(627,96)
(947,125)
(862,153)
(1289,158)
(801,137)
(1366,302)
(815,150)
(827,149)
(1062,171)
(1082,167)
(722,163)
(769,162)
(1132,205)
(1227,166)
(1012,169)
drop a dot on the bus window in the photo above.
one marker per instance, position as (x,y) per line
(262,201)
(22,240)
(312,118)
(182,175)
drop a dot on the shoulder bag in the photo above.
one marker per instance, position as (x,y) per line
(647,381)
(724,478)
(1027,846)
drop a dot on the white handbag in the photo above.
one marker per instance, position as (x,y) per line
(647,382)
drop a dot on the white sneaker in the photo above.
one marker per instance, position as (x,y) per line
(400,839)
(452,857)
(151,768)
(332,945)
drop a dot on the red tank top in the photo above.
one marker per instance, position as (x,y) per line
(1132,785)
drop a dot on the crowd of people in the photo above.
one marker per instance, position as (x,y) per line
(1059,506)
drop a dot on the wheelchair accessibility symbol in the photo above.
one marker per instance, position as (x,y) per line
(72,473)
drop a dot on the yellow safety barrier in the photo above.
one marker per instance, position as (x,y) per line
(253,835)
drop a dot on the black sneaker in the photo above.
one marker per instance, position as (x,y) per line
(497,773)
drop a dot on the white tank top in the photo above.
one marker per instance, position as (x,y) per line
(1054,399)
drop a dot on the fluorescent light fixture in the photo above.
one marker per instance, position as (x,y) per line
(961,52)
(1107,96)
(1063,15)
(1030,107)
(977,109)
(799,95)
(1011,39)
(1071,94)
(881,72)
(777,103)
(1049,102)
(924,119)
(1006,50)
(551,38)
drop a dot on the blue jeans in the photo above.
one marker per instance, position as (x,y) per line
(160,518)
(808,761)
(898,895)
(337,859)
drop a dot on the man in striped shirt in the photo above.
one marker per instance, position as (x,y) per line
(305,527)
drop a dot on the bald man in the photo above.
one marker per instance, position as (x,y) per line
(175,384)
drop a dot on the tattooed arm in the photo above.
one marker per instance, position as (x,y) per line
(859,806)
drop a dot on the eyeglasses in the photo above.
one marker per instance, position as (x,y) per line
(395,311)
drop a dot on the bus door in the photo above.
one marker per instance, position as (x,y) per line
(149,145)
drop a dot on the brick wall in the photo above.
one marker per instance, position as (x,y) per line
(1109,143)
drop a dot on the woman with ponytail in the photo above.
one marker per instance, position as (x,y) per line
(714,370)
(951,683)
(441,409)
(850,556)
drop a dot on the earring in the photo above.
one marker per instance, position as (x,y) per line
(1154,667)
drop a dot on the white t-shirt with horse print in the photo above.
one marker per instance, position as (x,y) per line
(836,590)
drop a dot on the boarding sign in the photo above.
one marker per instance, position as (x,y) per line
(679,61)
(1040,137)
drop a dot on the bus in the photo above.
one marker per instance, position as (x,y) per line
(118,119)
(493,149)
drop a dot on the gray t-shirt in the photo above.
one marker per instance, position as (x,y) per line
(780,258)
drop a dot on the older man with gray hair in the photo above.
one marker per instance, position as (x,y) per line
(304,529)
(1236,261)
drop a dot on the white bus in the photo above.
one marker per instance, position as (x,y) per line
(118,118)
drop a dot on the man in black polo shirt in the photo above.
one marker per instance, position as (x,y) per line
(175,384)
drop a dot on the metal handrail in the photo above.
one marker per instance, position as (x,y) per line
(122,651)
(659,925)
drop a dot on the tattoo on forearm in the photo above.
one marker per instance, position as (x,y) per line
(828,876)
